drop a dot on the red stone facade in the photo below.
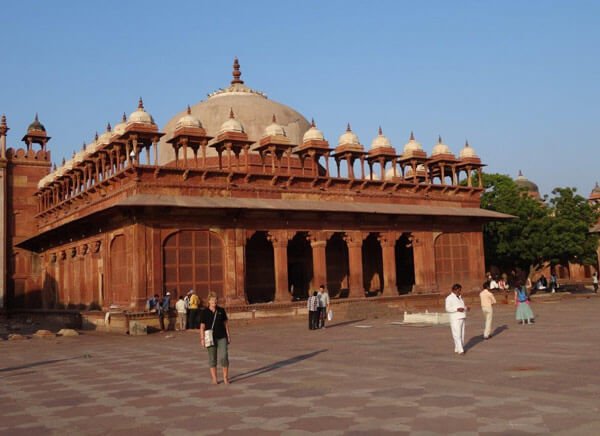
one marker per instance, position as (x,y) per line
(254,221)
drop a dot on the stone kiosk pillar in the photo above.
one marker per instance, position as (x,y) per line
(318,242)
(354,240)
(388,252)
(279,239)
(424,256)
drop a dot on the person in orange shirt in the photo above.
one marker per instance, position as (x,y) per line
(487,300)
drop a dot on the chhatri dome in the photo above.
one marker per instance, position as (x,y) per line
(274,129)
(349,139)
(380,141)
(231,125)
(36,125)
(140,115)
(253,110)
(313,133)
(412,146)
(440,148)
(188,120)
(468,152)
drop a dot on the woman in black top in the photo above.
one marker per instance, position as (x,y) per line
(215,317)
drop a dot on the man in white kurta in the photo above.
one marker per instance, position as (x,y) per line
(457,310)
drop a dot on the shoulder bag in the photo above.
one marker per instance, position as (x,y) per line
(209,340)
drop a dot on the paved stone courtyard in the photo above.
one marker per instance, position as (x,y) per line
(357,377)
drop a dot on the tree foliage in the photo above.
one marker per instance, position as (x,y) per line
(555,231)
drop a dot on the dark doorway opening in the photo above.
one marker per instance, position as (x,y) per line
(372,265)
(260,269)
(336,253)
(300,266)
(405,264)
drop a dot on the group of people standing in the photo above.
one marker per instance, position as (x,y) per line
(318,305)
(188,310)
(457,311)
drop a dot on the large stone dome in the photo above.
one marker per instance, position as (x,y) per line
(252,108)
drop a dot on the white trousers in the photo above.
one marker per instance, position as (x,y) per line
(487,314)
(458,334)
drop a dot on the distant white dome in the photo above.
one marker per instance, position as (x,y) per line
(231,125)
(140,115)
(313,133)
(412,145)
(468,151)
(188,120)
(380,141)
(440,148)
(274,129)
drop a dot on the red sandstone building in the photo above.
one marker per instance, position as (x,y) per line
(239,195)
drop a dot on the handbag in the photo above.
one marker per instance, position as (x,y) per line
(209,340)
(330,315)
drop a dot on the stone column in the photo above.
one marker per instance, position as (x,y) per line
(318,242)
(388,255)
(424,258)
(234,275)
(354,240)
(279,239)
(3,212)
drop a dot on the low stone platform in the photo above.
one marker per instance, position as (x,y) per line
(358,376)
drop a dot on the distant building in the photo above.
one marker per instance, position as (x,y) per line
(239,195)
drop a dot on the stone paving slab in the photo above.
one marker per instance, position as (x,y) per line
(388,378)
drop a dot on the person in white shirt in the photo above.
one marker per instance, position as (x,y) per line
(487,300)
(181,314)
(457,309)
(323,297)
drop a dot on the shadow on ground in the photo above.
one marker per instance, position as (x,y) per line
(475,340)
(274,366)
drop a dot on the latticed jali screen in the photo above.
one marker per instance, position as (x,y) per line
(193,259)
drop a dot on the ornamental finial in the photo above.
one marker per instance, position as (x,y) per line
(236,72)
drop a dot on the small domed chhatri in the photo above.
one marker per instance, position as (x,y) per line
(140,115)
(119,129)
(274,129)
(231,125)
(349,140)
(440,148)
(468,152)
(313,134)
(188,120)
(36,126)
(412,147)
(380,141)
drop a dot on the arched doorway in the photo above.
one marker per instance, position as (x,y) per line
(260,269)
(405,264)
(336,254)
(300,266)
(193,259)
(451,259)
(372,265)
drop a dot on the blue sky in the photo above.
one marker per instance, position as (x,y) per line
(520,80)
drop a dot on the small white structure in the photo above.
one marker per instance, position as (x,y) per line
(426,318)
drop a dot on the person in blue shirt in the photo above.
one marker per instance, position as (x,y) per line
(524,314)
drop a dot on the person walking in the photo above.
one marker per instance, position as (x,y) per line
(595,282)
(323,305)
(194,306)
(214,318)
(523,314)
(553,282)
(457,310)
(181,314)
(165,307)
(487,300)
(186,301)
(313,310)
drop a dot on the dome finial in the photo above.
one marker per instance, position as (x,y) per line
(83,148)
(54,167)
(189,110)
(231,114)
(520,173)
(312,122)
(380,131)
(141,104)
(63,161)
(348,129)
(124,118)
(236,72)
(439,139)
(36,117)
(274,119)
(96,137)
(412,136)
(108,127)
(467,143)
(3,121)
